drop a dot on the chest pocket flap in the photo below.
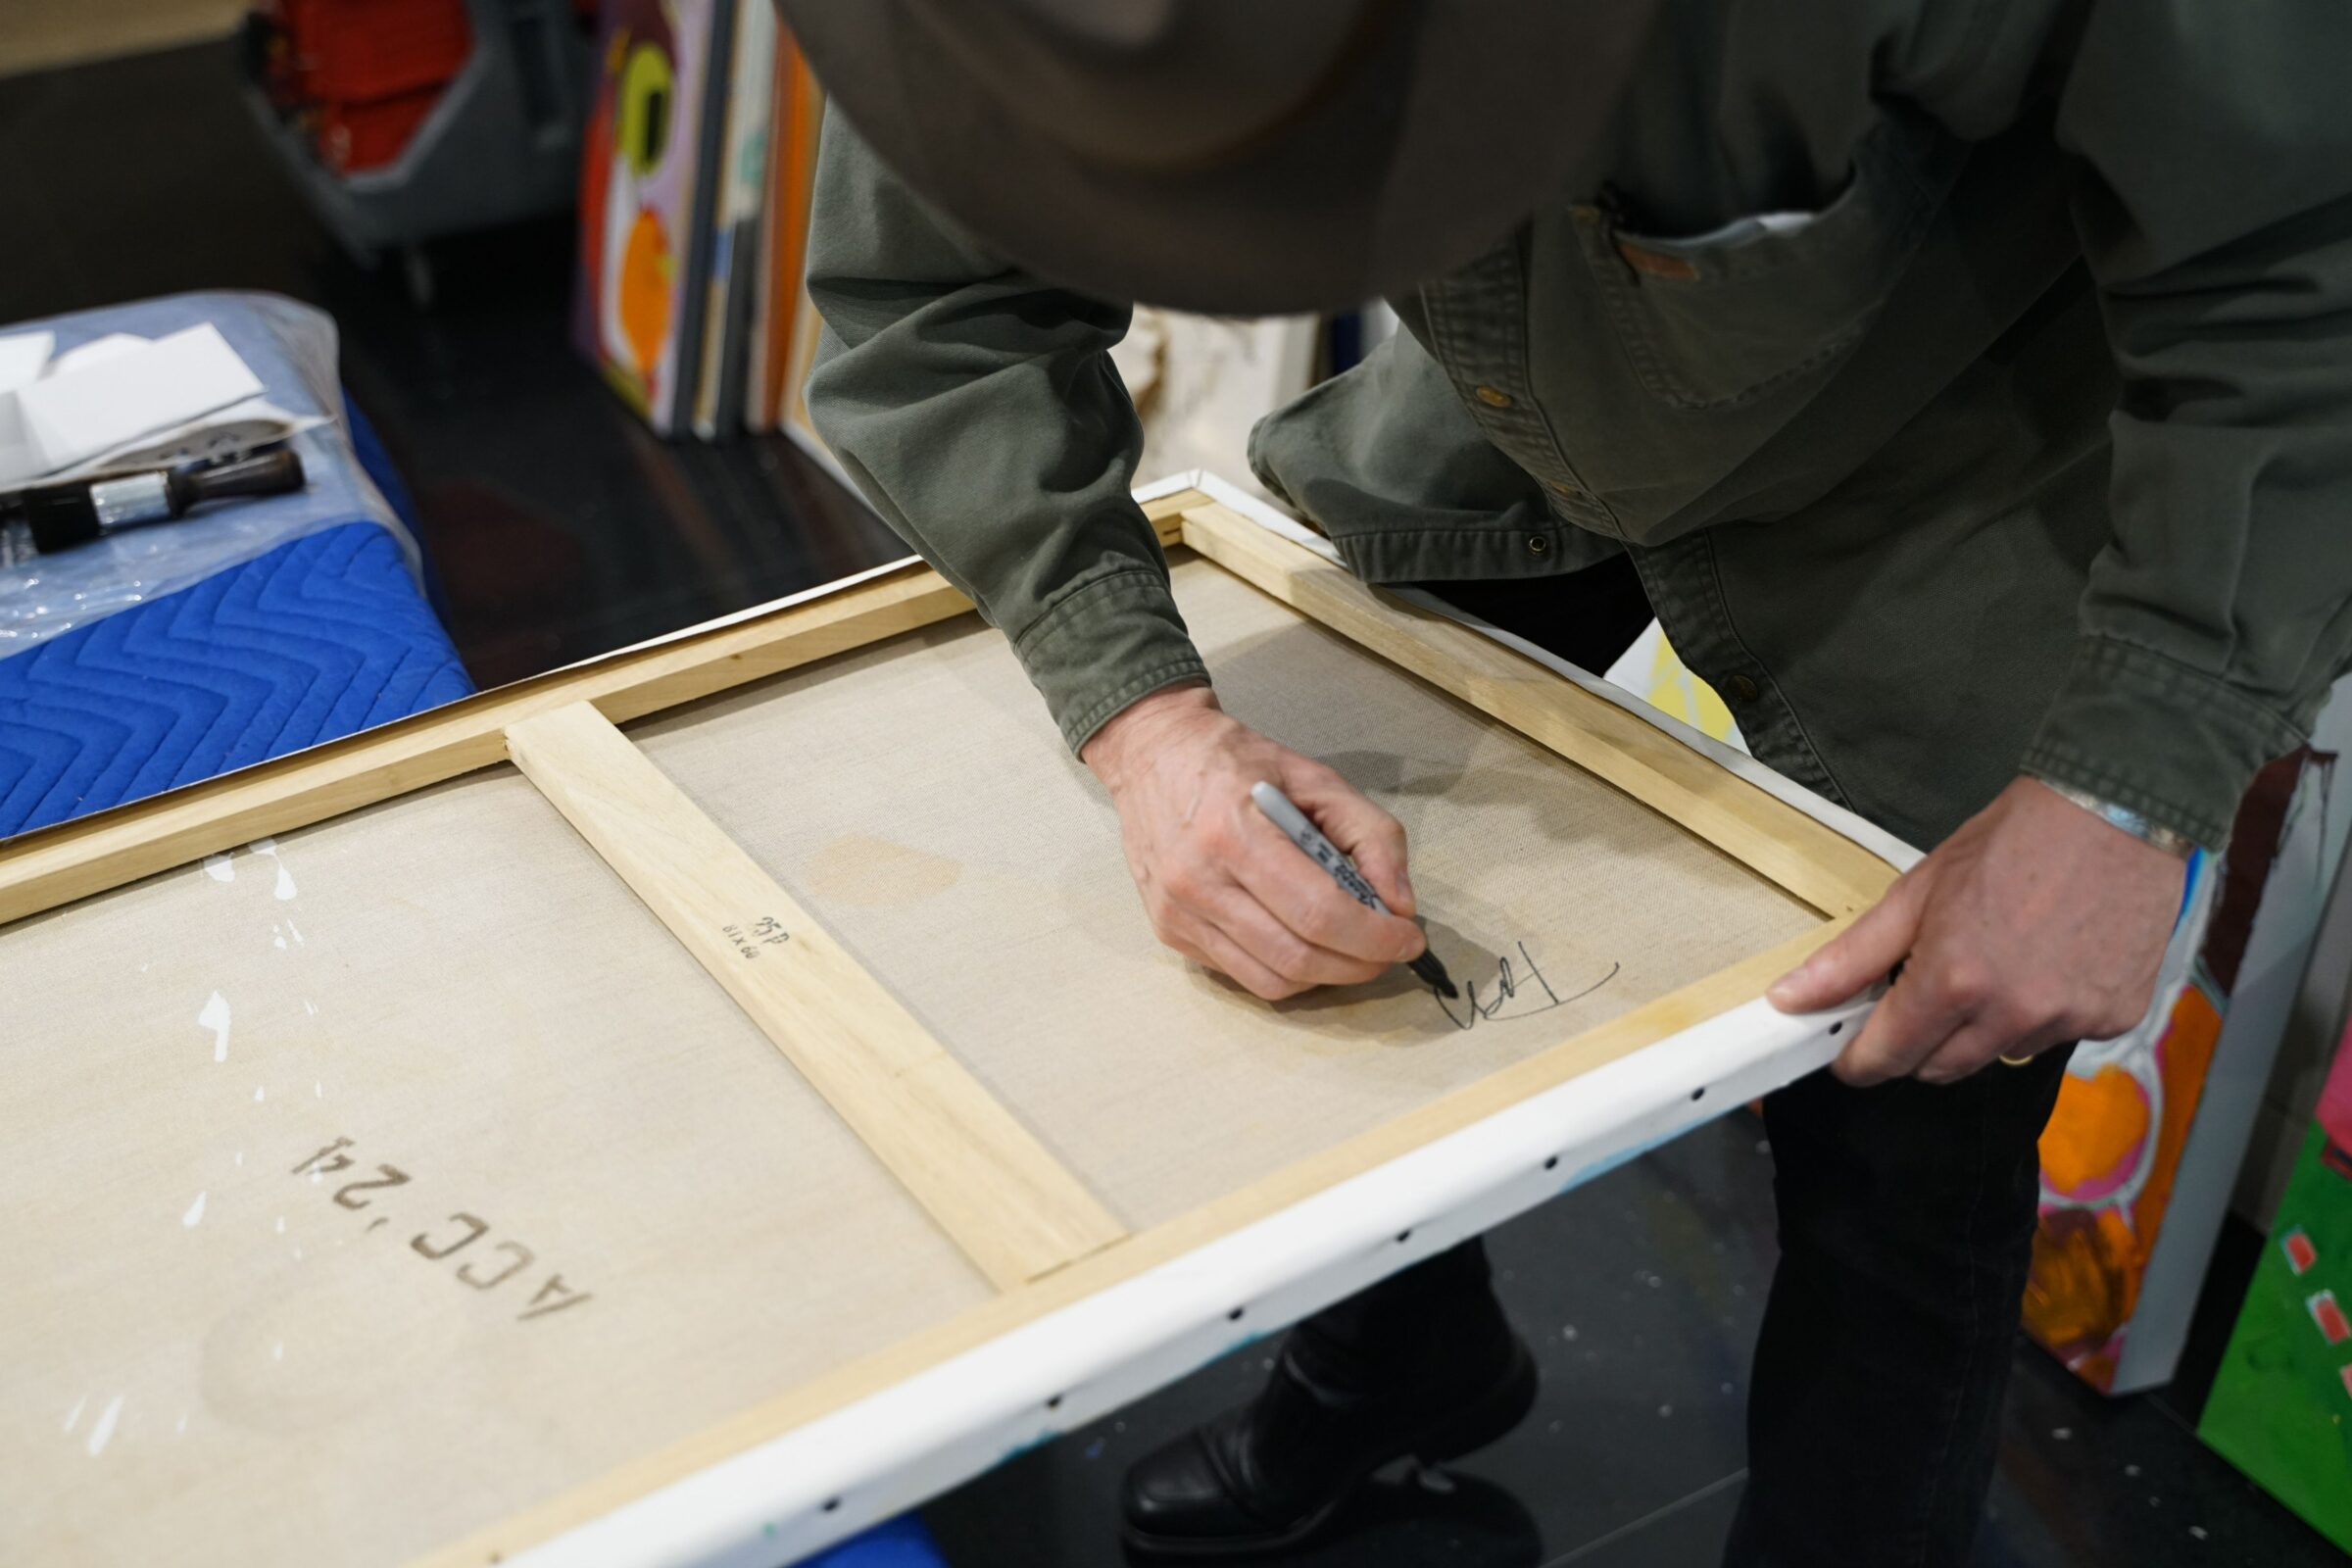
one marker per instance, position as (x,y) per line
(1765,303)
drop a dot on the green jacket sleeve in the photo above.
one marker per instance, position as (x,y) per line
(2216,208)
(978,409)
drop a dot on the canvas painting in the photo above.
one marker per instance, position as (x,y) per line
(2118,1147)
(2281,1406)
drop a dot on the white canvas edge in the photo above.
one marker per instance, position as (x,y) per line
(871,1460)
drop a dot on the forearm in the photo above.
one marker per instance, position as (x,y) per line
(978,409)
(2219,225)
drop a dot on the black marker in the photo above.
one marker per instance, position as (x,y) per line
(1325,854)
(66,516)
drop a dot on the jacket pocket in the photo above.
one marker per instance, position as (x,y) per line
(1749,309)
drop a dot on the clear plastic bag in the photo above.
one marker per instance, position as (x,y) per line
(292,348)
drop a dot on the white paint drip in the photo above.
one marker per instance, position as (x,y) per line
(279,943)
(104,1432)
(317,1091)
(219,869)
(75,1414)
(295,934)
(278,1352)
(257,1094)
(310,1007)
(195,1213)
(215,1016)
(281,1224)
(241,1160)
(286,878)
(182,1427)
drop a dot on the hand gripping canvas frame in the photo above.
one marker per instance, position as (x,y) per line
(1088,1316)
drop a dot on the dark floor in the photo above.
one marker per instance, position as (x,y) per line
(561,529)
(1642,1292)
(558,525)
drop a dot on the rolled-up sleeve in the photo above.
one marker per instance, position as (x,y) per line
(979,411)
(2216,210)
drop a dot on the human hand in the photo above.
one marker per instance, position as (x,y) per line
(1221,884)
(2034,924)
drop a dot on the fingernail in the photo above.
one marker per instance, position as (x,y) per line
(1788,984)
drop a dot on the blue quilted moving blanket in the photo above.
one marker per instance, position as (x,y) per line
(322,636)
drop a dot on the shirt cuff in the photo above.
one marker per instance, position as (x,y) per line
(2174,744)
(1105,643)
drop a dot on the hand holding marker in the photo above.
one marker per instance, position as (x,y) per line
(1299,830)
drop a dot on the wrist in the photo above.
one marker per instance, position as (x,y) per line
(2152,833)
(1132,730)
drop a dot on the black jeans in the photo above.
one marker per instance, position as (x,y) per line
(1906,1220)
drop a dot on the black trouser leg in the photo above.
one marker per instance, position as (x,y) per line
(1906,1221)
(1435,1323)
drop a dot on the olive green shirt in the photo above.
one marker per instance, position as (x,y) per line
(1970,382)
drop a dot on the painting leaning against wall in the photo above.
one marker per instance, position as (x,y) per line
(2112,1157)
(2282,1404)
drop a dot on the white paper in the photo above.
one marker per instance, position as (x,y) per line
(220,435)
(97,351)
(22,356)
(75,415)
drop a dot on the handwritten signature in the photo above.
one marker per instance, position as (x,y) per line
(1512,985)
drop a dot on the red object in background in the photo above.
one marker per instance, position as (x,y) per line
(357,51)
(360,75)
(2334,1327)
(2300,1253)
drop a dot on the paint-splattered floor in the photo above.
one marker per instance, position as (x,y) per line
(1644,1292)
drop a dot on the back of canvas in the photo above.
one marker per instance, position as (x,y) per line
(385,1180)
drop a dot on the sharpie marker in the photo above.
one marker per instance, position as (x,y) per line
(1325,854)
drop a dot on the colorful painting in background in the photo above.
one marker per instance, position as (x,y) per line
(646,192)
(2113,1150)
(2281,1405)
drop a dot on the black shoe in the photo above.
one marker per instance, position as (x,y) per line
(1271,1473)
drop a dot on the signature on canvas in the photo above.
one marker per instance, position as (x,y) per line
(1518,990)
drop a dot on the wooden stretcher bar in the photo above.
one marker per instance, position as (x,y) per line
(1010,1206)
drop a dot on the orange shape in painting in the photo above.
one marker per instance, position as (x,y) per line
(645,270)
(2094,1136)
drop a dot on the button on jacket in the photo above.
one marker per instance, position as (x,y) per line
(1969,382)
